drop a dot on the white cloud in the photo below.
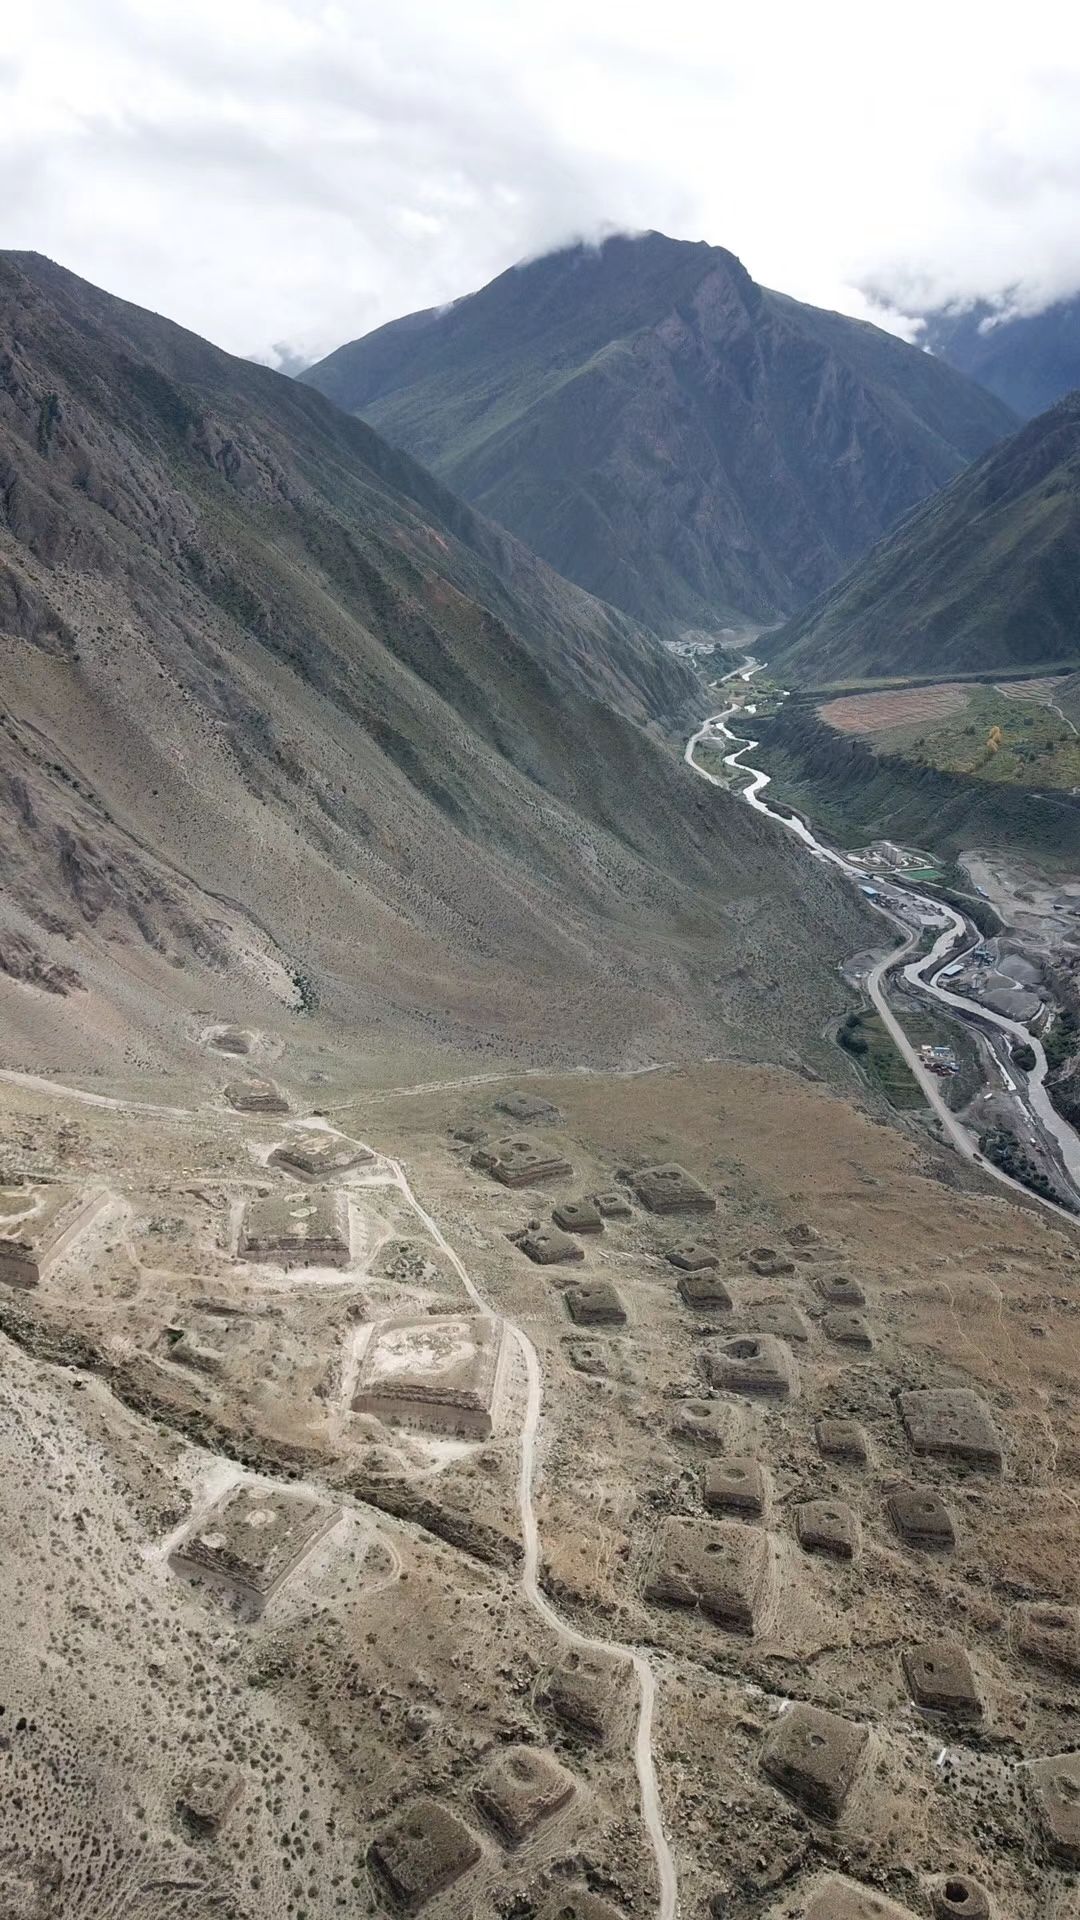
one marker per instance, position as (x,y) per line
(301,170)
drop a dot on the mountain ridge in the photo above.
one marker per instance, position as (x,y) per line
(981,577)
(665,431)
(287,726)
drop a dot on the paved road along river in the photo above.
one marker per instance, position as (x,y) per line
(920,973)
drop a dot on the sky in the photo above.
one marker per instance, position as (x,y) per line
(283,175)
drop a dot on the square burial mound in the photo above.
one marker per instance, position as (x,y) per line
(722,1569)
(521,1160)
(578,1216)
(705,1292)
(768,1262)
(585,1693)
(754,1364)
(940,1678)
(692,1256)
(921,1517)
(1057,1791)
(839,1290)
(548,1246)
(595,1303)
(39,1225)
(527,1106)
(297,1230)
(1049,1635)
(842,1439)
(828,1526)
(423,1851)
(613,1204)
(439,1374)
(953,1422)
(736,1484)
(235,1041)
(670,1189)
(709,1421)
(322,1155)
(520,1789)
(206,1798)
(252,1540)
(847,1328)
(813,1756)
(256,1096)
(838,1899)
(782,1318)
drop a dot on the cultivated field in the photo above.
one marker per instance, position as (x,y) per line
(898,707)
(1032,689)
(1013,735)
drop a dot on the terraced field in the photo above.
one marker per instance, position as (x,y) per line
(871,713)
(1015,735)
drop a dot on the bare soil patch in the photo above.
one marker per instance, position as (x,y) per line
(901,707)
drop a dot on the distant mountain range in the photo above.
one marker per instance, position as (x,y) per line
(985,575)
(675,438)
(1029,361)
(287,729)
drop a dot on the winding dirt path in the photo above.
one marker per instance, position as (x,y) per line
(652,1815)
(644,1762)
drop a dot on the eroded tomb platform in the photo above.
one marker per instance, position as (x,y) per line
(39,1225)
(1049,1636)
(670,1189)
(296,1230)
(421,1852)
(756,1365)
(439,1374)
(954,1423)
(255,1095)
(252,1540)
(520,1161)
(814,1757)
(723,1569)
(521,1788)
(321,1156)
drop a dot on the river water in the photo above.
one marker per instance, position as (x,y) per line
(919,973)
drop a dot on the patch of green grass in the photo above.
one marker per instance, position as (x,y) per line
(1012,742)
(865,1037)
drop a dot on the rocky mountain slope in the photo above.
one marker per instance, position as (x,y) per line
(1029,361)
(286,727)
(982,577)
(667,433)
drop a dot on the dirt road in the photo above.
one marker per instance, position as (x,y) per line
(644,1761)
(1036,1102)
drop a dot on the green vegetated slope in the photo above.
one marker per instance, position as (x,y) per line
(983,576)
(286,724)
(674,437)
(858,794)
(865,1038)
(998,737)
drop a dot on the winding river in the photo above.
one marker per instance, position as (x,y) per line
(957,934)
